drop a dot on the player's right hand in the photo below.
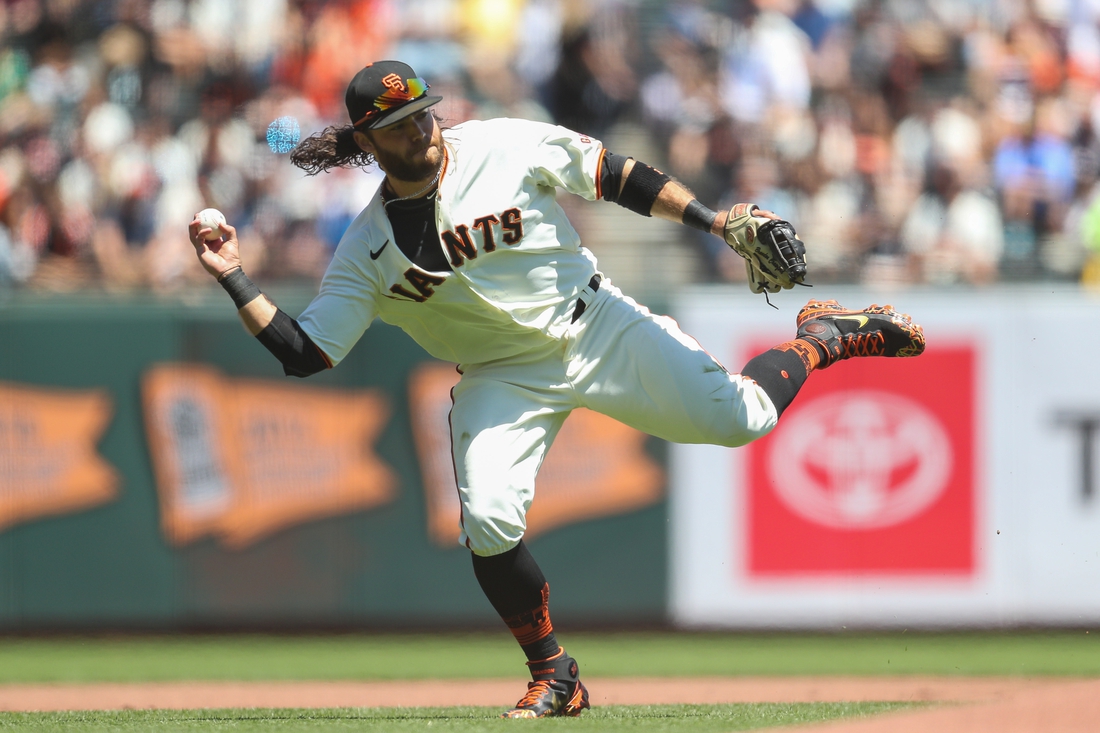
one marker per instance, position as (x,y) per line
(218,256)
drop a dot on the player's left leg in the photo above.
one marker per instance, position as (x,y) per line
(515,585)
(504,418)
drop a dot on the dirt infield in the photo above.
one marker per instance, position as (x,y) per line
(977,705)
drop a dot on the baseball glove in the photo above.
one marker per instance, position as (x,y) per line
(775,258)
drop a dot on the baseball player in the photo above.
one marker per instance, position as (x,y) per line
(465,248)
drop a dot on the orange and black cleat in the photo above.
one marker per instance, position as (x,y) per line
(555,691)
(843,334)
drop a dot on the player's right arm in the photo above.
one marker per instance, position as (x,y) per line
(279,333)
(582,166)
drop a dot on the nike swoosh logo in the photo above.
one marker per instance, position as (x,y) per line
(374,255)
(861,320)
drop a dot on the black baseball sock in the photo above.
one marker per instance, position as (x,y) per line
(782,370)
(514,584)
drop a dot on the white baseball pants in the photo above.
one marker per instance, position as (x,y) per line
(617,359)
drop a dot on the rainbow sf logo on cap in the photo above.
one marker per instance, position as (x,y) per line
(399,91)
(384,93)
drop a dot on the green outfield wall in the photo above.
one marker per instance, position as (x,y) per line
(84,542)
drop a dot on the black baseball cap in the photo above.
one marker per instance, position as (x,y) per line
(386,92)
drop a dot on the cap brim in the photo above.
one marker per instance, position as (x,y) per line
(404,111)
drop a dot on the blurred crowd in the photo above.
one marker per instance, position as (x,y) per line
(909,141)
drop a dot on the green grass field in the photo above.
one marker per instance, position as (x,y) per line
(378,657)
(642,718)
(366,657)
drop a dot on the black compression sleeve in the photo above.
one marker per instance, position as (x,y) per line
(516,587)
(292,346)
(512,581)
(641,187)
(780,373)
(611,175)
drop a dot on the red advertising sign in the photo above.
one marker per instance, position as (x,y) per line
(869,472)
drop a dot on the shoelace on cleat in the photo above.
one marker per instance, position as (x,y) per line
(863,344)
(535,691)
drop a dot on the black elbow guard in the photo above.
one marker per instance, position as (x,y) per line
(292,346)
(640,189)
(611,175)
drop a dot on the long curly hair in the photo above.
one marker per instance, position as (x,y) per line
(333,147)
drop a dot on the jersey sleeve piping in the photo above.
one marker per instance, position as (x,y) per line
(599,174)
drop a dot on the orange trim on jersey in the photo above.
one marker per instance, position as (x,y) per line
(599,174)
(323,355)
(446,162)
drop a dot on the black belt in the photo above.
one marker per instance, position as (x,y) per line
(593,285)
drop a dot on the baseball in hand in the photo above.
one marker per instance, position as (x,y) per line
(213,219)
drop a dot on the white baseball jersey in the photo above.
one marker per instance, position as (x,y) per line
(505,313)
(517,263)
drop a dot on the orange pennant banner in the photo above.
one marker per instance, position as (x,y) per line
(241,459)
(48,459)
(596,467)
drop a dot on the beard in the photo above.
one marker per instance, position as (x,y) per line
(410,170)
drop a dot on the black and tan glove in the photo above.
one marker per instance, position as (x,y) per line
(775,258)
